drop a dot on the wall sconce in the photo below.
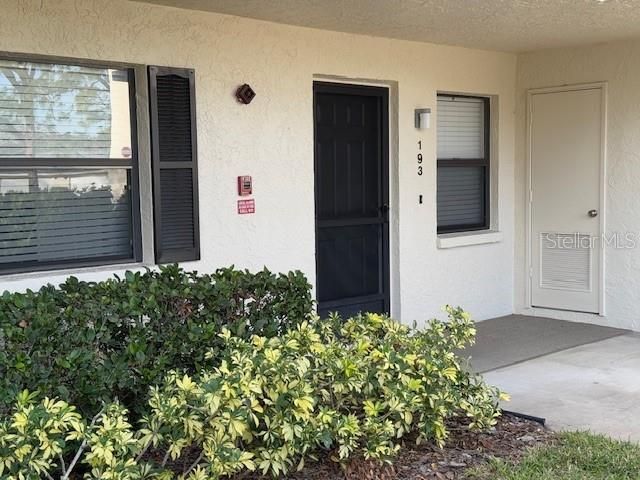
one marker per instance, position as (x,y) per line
(423,118)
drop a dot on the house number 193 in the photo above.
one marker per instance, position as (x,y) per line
(419,157)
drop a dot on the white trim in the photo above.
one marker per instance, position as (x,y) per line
(465,239)
(74,271)
(603,86)
(494,147)
(603,192)
(352,81)
(145,176)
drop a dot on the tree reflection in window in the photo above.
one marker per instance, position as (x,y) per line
(65,164)
(64,215)
(63,111)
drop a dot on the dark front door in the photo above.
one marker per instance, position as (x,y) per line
(352,197)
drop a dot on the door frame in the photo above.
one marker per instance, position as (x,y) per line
(383,92)
(603,87)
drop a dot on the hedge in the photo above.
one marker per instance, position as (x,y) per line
(89,343)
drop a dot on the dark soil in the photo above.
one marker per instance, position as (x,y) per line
(464,449)
(508,440)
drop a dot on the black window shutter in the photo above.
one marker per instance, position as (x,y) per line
(174,163)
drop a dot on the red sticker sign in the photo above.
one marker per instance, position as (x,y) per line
(246,206)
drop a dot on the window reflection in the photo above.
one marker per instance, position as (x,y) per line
(56,215)
(72,180)
(63,111)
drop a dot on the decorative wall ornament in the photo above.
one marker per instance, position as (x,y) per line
(245,94)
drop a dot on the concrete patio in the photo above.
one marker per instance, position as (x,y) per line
(576,376)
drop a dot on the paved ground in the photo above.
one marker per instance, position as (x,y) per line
(594,386)
(508,340)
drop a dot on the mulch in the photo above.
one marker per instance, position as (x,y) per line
(508,440)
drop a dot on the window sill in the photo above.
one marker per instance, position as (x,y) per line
(74,271)
(464,239)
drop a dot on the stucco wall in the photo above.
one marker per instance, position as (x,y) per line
(619,65)
(272,139)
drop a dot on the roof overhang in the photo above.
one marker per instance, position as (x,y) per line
(503,25)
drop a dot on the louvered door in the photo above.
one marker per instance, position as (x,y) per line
(174,158)
(566,148)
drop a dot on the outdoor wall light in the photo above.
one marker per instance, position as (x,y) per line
(423,118)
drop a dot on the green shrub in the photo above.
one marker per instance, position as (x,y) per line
(89,343)
(348,389)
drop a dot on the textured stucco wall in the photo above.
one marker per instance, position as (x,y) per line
(272,139)
(619,65)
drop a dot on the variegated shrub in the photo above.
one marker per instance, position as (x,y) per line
(347,389)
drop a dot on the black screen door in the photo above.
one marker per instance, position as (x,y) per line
(352,197)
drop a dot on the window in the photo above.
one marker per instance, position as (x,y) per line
(463,163)
(68,173)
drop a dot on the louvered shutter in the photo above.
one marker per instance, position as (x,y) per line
(174,160)
(463,163)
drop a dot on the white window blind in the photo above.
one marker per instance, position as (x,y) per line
(460,127)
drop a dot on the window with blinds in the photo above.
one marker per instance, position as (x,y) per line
(463,163)
(67,166)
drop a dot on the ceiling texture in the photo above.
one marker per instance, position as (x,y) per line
(503,25)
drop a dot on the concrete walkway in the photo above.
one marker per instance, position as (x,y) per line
(515,338)
(594,386)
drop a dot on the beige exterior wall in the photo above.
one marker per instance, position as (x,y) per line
(619,65)
(272,139)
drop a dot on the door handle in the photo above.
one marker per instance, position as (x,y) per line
(384,208)
(592,213)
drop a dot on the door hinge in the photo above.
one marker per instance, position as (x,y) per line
(530,196)
(530,272)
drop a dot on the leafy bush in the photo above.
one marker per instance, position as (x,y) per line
(89,343)
(351,389)
(35,439)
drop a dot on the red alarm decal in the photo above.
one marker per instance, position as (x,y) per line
(246,206)
(245,185)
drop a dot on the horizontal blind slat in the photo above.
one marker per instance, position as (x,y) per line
(460,196)
(460,127)
(62,215)
(40,102)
